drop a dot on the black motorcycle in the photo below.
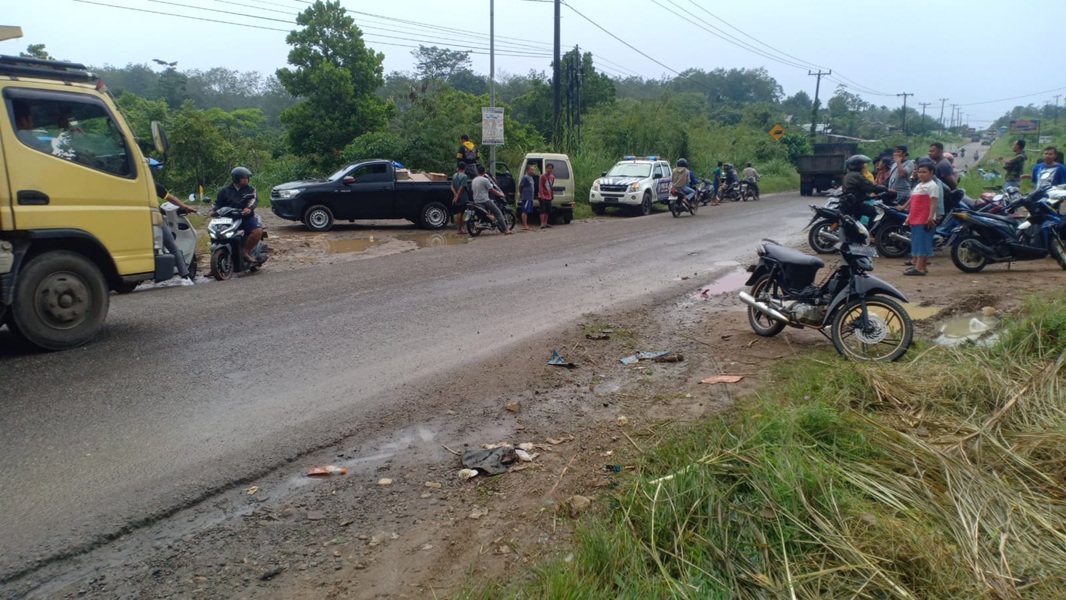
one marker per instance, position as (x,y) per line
(822,228)
(227,245)
(704,192)
(680,203)
(477,217)
(863,320)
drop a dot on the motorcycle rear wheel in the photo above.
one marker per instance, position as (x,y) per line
(763,290)
(814,238)
(222,264)
(886,337)
(693,206)
(889,247)
(674,210)
(1058,250)
(966,258)
(472,226)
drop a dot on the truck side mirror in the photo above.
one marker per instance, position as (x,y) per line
(159,138)
(348,180)
(604,174)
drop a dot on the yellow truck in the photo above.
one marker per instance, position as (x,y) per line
(78,208)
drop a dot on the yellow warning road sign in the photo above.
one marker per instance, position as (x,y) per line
(777,131)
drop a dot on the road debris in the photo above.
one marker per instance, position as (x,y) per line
(578,504)
(491,461)
(326,471)
(252,490)
(673,358)
(384,481)
(722,379)
(561,440)
(467,473)
(642,355)
(597,336)
(556,360)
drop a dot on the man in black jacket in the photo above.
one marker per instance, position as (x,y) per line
(242,195)
(857,188)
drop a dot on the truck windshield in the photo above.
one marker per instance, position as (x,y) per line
(630,170)
(337,175)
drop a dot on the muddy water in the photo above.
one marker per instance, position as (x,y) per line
(432,240)
(728,283)
(919,312)
(356,245)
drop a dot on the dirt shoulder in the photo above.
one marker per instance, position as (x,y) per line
(403,524)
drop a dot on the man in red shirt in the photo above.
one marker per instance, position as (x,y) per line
(545,194)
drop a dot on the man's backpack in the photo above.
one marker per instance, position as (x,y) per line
(469,154)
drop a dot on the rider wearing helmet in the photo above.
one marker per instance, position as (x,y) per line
(857,188)
(241,195)
(752,177)
(680,178)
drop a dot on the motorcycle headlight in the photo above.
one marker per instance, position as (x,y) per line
(289,193)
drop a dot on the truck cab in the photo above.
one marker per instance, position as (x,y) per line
(635,183)
(77,203)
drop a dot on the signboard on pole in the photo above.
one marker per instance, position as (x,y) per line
(1023,126)
(491,125)
(777,132)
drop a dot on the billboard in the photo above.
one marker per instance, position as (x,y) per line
(492,126)
(1025,126)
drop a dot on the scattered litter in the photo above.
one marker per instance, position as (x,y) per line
(467,473)
(478,512)
(433,485)
(980,329)
(619,468)
(512,406)
(252,490)
(527,446)
(723,379)
(525,456)
(555,442)
(270,574)
(384,481)
(622,420)
(578,504)
(673,358)
(315,515)
(642,355)
(326,471)
(597,336)
(557,360)
(490,462)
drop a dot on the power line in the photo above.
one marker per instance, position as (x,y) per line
(627,44)
(1013,97)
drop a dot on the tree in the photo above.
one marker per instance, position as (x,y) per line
(336,75)
(171,87)
(36,51)
(439,63)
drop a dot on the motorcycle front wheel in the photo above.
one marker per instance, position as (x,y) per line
(222,264)
(965,257)
(674,210)
(818,243)
(883,334)
(764,290)
(472,226)
(693,206)
(1058,250)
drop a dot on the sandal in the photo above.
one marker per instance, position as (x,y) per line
(913,271)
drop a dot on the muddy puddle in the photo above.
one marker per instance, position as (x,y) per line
(919,312)
(978,329)
(350,246)
(733,281)
(432,240)
(418,240)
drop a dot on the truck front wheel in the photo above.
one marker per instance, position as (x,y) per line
(60,302)
(599,208)
(435,215)
(318,218)
(806,189)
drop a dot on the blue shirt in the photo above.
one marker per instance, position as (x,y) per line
(1057,178)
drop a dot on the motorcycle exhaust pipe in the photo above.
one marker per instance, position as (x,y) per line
(899,237)
(762,307)
(825,236)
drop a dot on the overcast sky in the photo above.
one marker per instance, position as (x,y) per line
(974,53)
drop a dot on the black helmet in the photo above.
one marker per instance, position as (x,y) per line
(856,162)
(682,163)
(240,172)
(749,164)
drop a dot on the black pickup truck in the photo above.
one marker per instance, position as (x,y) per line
(367,189)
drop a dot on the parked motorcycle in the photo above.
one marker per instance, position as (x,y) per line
(822,235)
(184,234)
(982,239)
(747,192)
(705,192)
(227,245)
(893,235)
(857,309)
(679,203)
(477,218)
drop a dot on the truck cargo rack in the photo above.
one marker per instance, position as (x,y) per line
(23,66)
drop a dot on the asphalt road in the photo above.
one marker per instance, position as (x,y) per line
(192,390)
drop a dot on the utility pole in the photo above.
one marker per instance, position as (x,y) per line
(942,101)
(817,87)
(953,107)
(555,81)
(1057,96)
(923,104)
(904,94)
(492,78)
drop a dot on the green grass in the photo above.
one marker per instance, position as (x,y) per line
(939,477)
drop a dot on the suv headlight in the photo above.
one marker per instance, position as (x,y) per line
(289,193)
(596,185)
(634,186)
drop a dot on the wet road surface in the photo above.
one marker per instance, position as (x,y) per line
(193,390)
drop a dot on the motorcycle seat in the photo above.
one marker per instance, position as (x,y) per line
(786,255)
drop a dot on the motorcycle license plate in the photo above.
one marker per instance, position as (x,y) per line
(222,221)
(468,214)
(862,250)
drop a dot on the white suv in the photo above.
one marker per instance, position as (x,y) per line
(634,181)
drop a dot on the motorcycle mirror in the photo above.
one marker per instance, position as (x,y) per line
(159,137)
(604,174)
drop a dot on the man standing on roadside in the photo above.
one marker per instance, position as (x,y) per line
(1012,176)
(527,188)
(468,154)
(717,182)
(899,176)
(546,194)
(944,171)
(460,194)
(1050,163)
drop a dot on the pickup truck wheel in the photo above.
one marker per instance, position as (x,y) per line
(61,300)
(645,204)
(599,208)
(567,217)
(435,215)
(806,189)
(318,218)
